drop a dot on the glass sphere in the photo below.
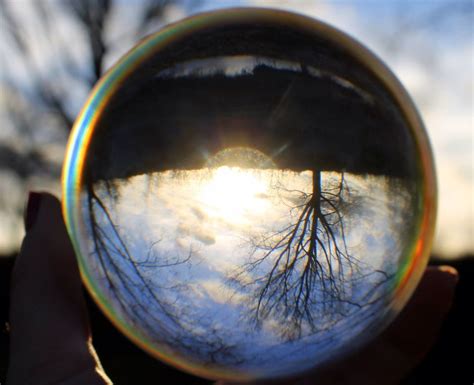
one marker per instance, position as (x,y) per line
(250,194)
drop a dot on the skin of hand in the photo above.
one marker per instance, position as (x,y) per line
(50,338)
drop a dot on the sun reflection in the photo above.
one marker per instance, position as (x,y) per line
(232,193)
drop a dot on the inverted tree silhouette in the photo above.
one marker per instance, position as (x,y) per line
(330,116)
(305,269)
(303,273)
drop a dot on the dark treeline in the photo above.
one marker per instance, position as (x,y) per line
(302,122)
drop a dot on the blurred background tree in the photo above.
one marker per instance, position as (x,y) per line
(52,53)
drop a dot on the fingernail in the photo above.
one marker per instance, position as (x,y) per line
(450,271)
(32,208)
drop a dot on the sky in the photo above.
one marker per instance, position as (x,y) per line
(427,44)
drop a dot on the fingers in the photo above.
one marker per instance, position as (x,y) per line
(417,328)
(389,358)
(50,337)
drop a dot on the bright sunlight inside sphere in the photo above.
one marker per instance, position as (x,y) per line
(234,189)
(233,192)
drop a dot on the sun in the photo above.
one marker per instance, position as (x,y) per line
(237,188)
(233,193)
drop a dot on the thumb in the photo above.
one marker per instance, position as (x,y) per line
(50,340)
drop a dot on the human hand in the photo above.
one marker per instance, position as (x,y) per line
(51,340)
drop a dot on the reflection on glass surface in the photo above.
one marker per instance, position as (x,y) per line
(246,210)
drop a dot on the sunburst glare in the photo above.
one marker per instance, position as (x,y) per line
(232,192)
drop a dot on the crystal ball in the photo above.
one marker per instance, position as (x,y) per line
(250,194)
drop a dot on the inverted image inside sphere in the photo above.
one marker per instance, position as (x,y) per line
(248,199)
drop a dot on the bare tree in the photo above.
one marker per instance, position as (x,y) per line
(304,272)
